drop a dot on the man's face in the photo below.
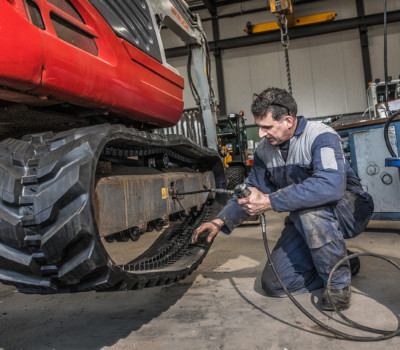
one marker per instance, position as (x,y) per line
(276,132)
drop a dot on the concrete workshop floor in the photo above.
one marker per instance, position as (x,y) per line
(220,306)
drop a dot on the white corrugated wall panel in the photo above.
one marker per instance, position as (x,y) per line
(337,70)
(327,74)
(237,80)
(377,6)
(375,35)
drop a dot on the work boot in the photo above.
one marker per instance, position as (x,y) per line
(354,264)
(340,297)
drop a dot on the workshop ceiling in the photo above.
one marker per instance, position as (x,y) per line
(212,5)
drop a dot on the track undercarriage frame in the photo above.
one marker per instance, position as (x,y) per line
(55,229)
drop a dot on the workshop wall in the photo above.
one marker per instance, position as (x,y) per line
(376,6)
(327,70)
(375,37)
(326,75)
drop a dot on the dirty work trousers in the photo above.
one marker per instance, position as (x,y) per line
(312,242)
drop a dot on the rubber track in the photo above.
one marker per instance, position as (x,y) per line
(48,235)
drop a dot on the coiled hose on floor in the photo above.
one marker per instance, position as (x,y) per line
(346,336)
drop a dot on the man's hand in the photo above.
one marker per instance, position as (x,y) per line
(213,227)
(255,204)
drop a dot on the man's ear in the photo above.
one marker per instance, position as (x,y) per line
(289,120)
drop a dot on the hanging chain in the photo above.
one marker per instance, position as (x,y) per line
(283,25)
(289,79)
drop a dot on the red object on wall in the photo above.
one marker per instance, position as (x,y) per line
(108,73)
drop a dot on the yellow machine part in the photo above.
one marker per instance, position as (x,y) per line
(228,157)
(292,22)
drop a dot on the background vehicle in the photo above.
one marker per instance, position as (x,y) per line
(376,97)
(232,139)
(238,158)
(87,83)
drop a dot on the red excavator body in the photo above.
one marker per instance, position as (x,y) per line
(65,51)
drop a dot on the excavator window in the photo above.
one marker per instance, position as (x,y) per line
(73,35)
(67,7)
(34,15)
(64,29)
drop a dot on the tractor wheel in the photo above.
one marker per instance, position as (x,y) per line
(236,175)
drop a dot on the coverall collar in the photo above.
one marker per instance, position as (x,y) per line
(301,124)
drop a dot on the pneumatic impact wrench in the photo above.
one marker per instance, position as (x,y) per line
(242,191)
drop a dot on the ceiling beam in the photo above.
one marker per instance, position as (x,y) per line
(230,2)
(294,33)
(216,4)
(210,5)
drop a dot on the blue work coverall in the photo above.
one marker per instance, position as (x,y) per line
(326,203)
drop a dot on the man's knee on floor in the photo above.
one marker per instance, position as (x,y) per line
(270,284)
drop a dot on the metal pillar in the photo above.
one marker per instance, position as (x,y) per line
(364,44)
(219,68)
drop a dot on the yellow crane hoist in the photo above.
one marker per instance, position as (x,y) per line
(279,7)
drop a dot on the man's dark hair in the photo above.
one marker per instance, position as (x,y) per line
(277,101)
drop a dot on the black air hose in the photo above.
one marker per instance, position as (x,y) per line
(386,134)
(386,334)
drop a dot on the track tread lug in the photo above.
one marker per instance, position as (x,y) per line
(33,240)
(49,269)
(28,180)
(28,220)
